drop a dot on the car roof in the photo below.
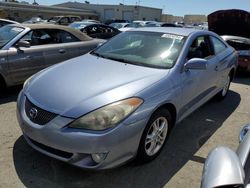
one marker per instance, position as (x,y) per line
(74,32)
(10,21)
(170,30)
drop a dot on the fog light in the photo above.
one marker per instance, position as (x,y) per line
(99,157)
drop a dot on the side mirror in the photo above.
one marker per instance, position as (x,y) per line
(222,168)
(23,43)
(196,63)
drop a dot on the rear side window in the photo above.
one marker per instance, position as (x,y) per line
(218,45)
(66,37)
(200,48)
(75,19)
(64,20)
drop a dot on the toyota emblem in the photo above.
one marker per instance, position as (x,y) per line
(33,113)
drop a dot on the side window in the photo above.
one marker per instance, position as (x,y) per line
(65,37)
(64,20)
(200,48)
(27,37)
(75,19)
(39,37)
(109,30)
(218,45)
(93,30)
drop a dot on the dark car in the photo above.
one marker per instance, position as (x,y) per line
(242,46)
(171,25)
(96,30)
(64,20)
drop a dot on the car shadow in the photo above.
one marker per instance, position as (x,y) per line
(242,78)
(37,170)
(10,94)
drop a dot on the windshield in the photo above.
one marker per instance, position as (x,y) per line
(7,33)
(238,44)
(151,49)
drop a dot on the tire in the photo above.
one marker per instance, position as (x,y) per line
(223,93)
(2,86)
(154,136)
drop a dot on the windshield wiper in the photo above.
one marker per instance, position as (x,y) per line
(97,54)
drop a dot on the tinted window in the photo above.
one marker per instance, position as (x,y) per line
(92,30)
(200,48)
(239,45)
(64,20)
(74,19)
(218,45)
(48,36)
(66,37)
(39,37)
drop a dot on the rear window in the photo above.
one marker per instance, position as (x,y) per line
(238,45)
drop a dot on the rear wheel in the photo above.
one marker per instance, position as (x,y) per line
(223,93)
(154,136)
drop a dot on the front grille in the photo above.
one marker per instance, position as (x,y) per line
(38,115)
(51,150)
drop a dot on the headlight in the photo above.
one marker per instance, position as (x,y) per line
(107,116)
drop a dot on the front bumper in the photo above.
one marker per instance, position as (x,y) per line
(75,146)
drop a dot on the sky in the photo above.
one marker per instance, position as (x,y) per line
(175,7)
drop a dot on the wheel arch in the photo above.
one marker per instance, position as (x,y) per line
(232,73)
(171,108)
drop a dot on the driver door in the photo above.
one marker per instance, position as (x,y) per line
(24,62)
(198,85)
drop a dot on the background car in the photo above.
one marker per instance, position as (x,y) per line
(27,49)
(226,168)
(89,20)
(4,22)
(242,45)
(93,30)
(110,21)
(64,20)
(170,25)
(119,25)
(121,100)
(34,20)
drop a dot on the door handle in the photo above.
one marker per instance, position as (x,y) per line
(216,68)
(62,51)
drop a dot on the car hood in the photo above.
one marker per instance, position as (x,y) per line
(85,83)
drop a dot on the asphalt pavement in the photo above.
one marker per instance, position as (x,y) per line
(179,165)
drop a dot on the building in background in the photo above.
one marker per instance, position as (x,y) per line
(120,12)
(21,12)
(194,19)
(169,18)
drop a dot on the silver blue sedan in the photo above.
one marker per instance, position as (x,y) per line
(120,101)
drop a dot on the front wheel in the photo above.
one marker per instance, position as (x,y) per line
(154,136)
(223,93)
